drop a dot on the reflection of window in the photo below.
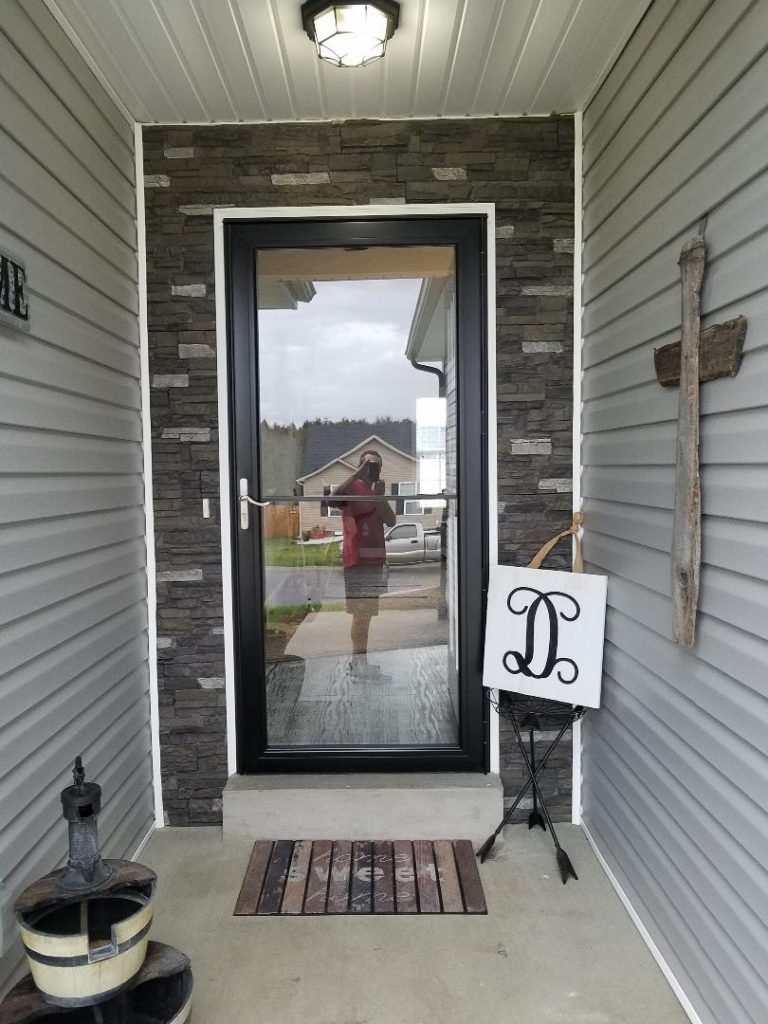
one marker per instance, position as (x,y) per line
(410,508)
(431,474)
(404,532)
(332,511)
(430,439)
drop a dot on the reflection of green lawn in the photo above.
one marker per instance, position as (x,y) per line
(287,552)
(284,620)
(296,612)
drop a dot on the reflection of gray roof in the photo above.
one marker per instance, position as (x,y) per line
(327,441)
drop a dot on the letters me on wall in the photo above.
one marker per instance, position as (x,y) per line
(14,302)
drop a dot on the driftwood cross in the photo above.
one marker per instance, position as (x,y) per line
(696,357)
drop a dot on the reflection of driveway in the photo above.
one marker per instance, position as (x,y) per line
(287,585)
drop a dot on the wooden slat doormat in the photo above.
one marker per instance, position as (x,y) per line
(367,877)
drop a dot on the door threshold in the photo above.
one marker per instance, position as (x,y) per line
(362,805)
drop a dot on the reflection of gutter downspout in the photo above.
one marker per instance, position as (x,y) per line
(440,374)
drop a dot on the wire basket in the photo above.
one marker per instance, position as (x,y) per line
(520,705)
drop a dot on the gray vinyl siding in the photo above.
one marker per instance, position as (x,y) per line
(74,673)
(675,787)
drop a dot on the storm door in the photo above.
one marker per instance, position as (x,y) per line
(357,356)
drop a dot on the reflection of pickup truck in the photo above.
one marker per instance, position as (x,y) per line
(410,542)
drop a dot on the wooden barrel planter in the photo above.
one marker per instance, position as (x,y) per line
(85,930)
(161,993)
(83,950)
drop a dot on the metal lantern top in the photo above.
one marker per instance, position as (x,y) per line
(350,33)
(82,799)
(85,870)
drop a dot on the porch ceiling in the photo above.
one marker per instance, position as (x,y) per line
(174,61)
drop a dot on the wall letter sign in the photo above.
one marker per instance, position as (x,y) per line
(14,300)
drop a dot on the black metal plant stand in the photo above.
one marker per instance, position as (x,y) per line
(525,713)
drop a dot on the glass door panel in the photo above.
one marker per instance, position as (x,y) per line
(357,439)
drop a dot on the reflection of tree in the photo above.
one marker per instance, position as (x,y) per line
(282,452)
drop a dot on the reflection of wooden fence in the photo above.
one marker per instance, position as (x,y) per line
(281,521)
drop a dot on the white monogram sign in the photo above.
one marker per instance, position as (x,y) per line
(544,633)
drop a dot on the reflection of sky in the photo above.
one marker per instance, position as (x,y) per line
(342,354)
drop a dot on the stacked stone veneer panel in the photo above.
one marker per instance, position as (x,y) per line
(525,167)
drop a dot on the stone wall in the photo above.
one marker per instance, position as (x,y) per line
(525,167)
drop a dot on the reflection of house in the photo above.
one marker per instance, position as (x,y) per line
(332,453)
(432,348)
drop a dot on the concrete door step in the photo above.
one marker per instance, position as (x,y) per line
(440,805)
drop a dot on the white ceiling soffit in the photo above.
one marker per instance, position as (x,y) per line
(204,61)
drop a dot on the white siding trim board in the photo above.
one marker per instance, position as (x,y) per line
(149,501)
(578,406)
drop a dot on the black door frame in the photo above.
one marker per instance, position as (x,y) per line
(467,233)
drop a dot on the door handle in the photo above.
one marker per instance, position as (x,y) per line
(246,500)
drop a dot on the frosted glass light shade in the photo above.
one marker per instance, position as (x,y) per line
(351,34)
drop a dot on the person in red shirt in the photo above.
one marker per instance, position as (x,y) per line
(363,552)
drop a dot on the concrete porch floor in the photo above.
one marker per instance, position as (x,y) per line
(545,954)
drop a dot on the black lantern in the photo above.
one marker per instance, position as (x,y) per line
(350,33)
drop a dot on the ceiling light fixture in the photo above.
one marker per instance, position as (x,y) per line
(350,34)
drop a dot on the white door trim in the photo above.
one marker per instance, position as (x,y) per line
(578,150)
(149,506)
(220,216)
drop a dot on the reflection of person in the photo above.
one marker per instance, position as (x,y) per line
(363,551)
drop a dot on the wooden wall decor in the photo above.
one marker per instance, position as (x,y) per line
(720,356)
(686,528)
(697,357)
